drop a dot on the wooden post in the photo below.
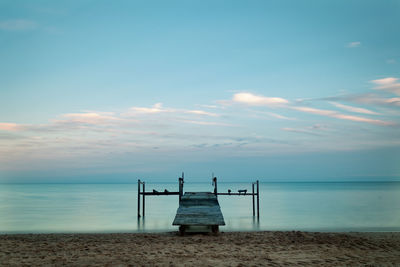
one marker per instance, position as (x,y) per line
(258,199)
(180,187)
(138,198)
(143,197)
(215,186)
(254,210)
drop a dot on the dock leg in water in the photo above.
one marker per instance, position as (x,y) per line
(215,229)
(182,230)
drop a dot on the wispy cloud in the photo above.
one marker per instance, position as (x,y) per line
(207,123)
(202,112)
(257,100)
(388,84)
(362,119)
(8,126)
(278,116)
(391,61)
(354,44)
(354,109)
(337,115)
(307,131)
(371,99)
(393,100)
(18,25)
(156,108)
(91,117)
(137,117)
(263,114)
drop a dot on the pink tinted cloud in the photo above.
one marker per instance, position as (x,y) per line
(90,117)
(389,84)
(8,126)
(337,115)
(354,109)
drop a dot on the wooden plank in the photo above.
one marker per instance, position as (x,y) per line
(199,208)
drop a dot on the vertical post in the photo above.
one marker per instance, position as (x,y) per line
(215,186)
(138,198)
(143,198)
(180,187)
(254,210)
(258,199)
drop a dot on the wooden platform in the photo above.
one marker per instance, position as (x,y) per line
(199,209)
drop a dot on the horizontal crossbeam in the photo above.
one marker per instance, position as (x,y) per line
(159,193)
(237,194)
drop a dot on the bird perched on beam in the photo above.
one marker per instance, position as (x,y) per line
(244,191)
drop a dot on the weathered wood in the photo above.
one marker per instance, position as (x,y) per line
(199,208)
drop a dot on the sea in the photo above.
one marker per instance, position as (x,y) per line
(286,206)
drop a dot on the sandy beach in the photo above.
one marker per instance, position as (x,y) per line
(226,249)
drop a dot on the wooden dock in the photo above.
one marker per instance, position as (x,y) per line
(199,209)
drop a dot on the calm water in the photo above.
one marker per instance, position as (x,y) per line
(283,206)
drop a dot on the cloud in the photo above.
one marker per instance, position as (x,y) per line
(337,115)
(210,106)
(271,114)
(388,84)
(207,123)
(8,126)
(362,119)
(17,25)
(393,100)
(278,116)
(256,100)
(90,118)
(354,109)
(385,81)
(301,130)
(391,61)
(156,108)
(371,99)
(353,44)
(201,112)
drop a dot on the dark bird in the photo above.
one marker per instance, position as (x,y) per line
(244,191)
(229,191)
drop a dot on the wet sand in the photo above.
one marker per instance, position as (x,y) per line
(226,249)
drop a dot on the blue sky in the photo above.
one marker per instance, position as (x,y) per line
(275,90)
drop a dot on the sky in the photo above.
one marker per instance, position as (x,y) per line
(113,91)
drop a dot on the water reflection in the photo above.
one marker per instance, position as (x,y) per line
(256,223)
(141,224)
(283,206)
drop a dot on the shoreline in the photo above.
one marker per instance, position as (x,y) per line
(259,248)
